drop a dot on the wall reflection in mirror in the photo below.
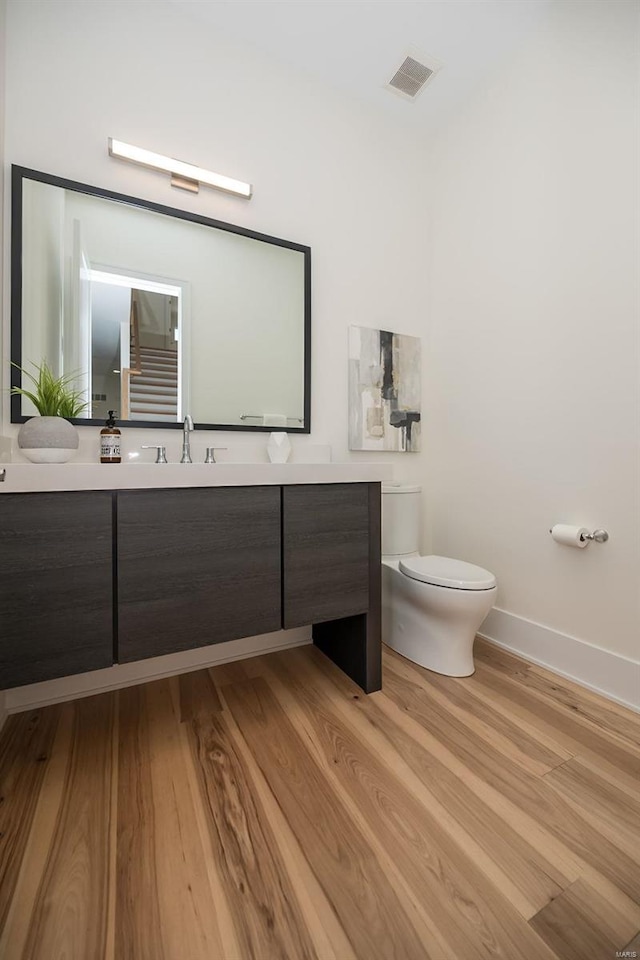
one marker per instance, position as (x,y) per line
(158,312)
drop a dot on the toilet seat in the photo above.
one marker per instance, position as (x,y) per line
(445,572)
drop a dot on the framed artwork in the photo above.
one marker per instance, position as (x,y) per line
(384,390)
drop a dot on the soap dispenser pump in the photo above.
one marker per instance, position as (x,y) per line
(110,441)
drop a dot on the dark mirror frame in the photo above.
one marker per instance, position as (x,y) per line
(18,175)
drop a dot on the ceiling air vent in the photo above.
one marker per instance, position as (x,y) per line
(411,76)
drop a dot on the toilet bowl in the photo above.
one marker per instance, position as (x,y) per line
(431,606)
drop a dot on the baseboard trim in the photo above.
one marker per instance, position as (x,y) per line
(607,673)
(129,674)
(3,709)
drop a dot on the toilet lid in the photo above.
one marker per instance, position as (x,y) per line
(444,572)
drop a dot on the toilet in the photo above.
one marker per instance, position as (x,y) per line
(431,606)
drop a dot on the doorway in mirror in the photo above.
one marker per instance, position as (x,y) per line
(136,329)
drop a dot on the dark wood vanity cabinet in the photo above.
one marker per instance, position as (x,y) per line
(331,573)
(196,566)
(88,579)
(56,609)
(325,552)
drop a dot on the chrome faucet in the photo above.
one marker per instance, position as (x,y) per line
(186,447)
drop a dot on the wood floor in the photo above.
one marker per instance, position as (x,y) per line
(269,809)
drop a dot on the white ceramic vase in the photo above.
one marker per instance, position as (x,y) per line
(279,447)
(48,440)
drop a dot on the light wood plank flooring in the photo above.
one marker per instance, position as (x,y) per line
(269,809)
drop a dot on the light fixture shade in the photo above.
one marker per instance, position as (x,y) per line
(182,171)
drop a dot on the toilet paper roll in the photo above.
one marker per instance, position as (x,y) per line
(570,536)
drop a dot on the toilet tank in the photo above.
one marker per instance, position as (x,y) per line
(400,519)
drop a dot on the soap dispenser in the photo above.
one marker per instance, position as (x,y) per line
(110,441)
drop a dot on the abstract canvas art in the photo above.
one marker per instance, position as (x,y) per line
(384,390)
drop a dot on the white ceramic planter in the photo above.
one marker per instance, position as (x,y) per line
(48,440)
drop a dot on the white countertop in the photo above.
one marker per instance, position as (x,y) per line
(40,478)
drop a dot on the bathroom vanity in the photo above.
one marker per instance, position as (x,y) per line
(112,564)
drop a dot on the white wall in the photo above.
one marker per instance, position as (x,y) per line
(4,371)
(533,354)
(324,169)
(3,379)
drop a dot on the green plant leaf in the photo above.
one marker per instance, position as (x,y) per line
(53,396)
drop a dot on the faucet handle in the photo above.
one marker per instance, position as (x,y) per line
(161,451)
(211,454)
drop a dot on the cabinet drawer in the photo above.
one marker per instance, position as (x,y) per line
(56,609)
(326,552)
(195,567)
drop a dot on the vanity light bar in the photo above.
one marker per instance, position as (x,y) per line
(183,175)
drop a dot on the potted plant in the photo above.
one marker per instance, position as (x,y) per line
(49,437)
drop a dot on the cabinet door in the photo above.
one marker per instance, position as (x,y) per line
(56,598)
(326,552)
(196,566)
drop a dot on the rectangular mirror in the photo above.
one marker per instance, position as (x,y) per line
(158,312)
